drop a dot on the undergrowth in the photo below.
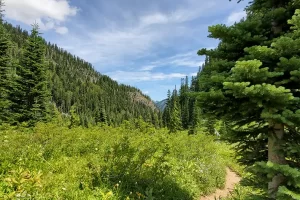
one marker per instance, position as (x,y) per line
(134,161)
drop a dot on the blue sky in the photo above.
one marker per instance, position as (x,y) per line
(147,44)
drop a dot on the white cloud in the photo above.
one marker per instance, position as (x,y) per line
(177,16)
(146,92)
(49,14)
(119,44)
(187,62)
(188,59)
(129,76)
(156,18)
(147,68)
(193,74)
(62,30)
(235,17)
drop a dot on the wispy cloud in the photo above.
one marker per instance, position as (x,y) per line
(130,76)
(193,74)
(62,30)
(147,68)
(178,16)
(235,17)
(49,14)
(188,59)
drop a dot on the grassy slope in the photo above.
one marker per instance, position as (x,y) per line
(134,161)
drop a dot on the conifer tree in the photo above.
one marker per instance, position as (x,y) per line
(175,123)
(251,82)
(101,116)
(155,120)
(196,117)
(160,119)
(167,111)
(33,96)
(5,77)
(184,103)
(75,119)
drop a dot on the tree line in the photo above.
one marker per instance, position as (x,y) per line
(182,111)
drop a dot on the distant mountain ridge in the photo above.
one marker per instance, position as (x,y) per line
(161,105)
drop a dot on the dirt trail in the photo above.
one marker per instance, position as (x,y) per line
(231,179)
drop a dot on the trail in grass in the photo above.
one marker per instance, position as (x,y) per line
(231,179)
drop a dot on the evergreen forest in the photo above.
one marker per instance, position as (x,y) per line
(70,132)
(61,82)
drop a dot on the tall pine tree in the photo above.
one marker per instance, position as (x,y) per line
(5,76)
(175,123)
(167,111)
(251,82)
(184,103)
(101,116)
(33,95)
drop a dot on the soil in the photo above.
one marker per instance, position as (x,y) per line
(231,179)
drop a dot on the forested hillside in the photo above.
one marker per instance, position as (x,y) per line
(74,82)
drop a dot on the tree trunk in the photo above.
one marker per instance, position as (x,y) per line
(275,155)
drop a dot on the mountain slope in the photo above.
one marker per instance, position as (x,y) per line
(161,104)
(74,82)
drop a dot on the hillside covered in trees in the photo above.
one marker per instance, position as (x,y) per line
(70,83)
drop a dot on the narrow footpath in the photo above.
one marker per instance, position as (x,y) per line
(231,179)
